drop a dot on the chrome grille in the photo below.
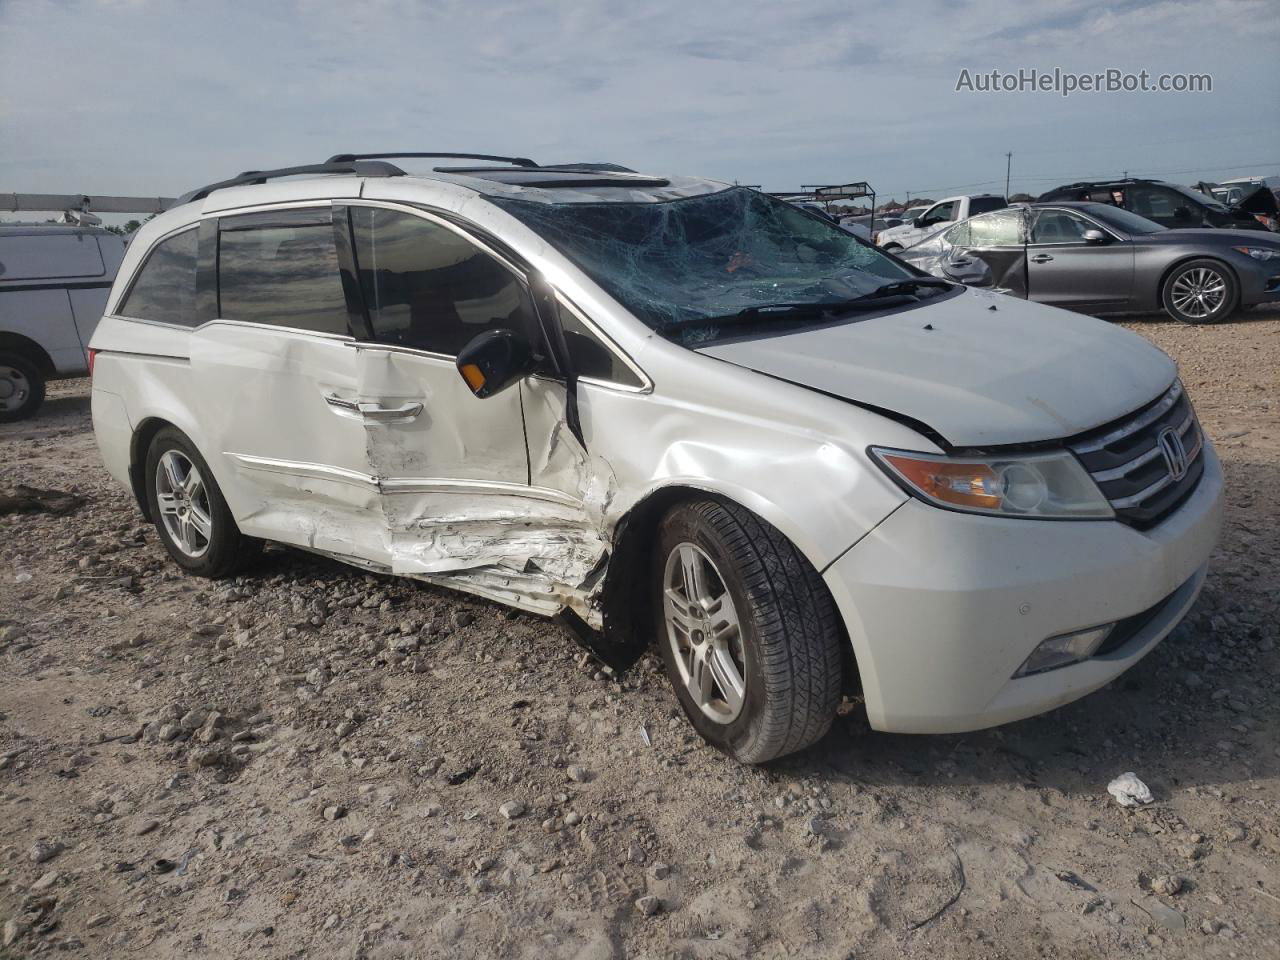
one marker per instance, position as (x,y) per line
(1135,460)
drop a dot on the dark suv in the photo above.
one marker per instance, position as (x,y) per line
(1167,204)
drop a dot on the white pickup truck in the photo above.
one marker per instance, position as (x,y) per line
(950,210)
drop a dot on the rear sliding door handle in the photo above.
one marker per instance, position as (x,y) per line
(373,412)
(1041,258)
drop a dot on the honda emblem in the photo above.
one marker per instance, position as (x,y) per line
(1175,454)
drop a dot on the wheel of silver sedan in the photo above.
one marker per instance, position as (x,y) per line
(704,633)
(184,503)
(1199,293)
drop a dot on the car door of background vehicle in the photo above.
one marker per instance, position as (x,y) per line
(42,278)
(1066,271)
(998,239)
(267,372)
(1166,207)
(453,469)
(937,214)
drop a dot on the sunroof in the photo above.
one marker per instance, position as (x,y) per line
(547,177)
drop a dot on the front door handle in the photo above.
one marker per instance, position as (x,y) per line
(377,413)
(373,412)
(1041,258)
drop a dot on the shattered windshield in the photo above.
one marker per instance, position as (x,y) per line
(675,263)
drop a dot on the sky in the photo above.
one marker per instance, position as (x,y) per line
(153,97)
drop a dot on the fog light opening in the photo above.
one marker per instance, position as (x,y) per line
(1064,650)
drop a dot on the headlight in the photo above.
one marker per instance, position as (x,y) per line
(1030,485)
(1259,253)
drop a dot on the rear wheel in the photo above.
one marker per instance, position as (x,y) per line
(189,512)
(749,633)
(1199,291)
(21,387)
(891,247)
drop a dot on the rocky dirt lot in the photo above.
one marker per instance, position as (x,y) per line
(314,762)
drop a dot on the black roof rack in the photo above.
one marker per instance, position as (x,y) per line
(361,168)
(376,165)
(1106,181)
(558,176)
(349,157)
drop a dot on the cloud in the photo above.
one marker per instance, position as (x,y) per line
(154,97)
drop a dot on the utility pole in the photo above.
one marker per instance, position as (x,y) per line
(1008,165)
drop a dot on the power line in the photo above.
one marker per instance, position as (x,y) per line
(1070,178)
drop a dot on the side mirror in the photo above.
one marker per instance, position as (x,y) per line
(971,271)
(493,361)
(919,222)
(1094,236)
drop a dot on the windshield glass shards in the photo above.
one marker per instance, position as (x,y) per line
(684,267)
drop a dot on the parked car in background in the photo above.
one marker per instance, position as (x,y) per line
(1097,258)
(1168,204)
(671,411)
(1257,196)
(934,217)
(881,221)
(54,281)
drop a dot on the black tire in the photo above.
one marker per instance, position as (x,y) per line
(226,550)
(891,247)
(789,630)
(21,387)
(1190,273)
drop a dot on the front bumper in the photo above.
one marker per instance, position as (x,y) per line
(1259,280)
(942,608)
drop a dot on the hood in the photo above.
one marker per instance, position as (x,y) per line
(1019,373)
(1262,201)
(1256,199)
(1226,236)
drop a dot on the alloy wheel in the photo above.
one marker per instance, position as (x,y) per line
(704,632)
(1199,292)
(184,503)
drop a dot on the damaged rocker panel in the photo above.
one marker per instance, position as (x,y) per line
(530,547)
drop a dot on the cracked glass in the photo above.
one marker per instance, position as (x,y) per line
(675,263)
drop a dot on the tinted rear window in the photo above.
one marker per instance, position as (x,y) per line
(986,204)
(285,276)
(165,287)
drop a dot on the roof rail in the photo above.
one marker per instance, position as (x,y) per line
(360,168)
(348,157)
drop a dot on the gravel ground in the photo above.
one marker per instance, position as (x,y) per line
(311,761)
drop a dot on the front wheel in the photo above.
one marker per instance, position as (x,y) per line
(188,509)
(749,633)
(1199,291)
(21,387)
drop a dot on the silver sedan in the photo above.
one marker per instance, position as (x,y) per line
(1096,258)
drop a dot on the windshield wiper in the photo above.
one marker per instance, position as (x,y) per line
(888,295)
(910,285)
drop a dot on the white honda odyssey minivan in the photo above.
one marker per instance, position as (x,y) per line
(668,411)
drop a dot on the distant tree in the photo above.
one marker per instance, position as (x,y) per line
(127,229)
(1020,198)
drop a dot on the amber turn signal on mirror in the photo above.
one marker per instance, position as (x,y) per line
(493,361)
